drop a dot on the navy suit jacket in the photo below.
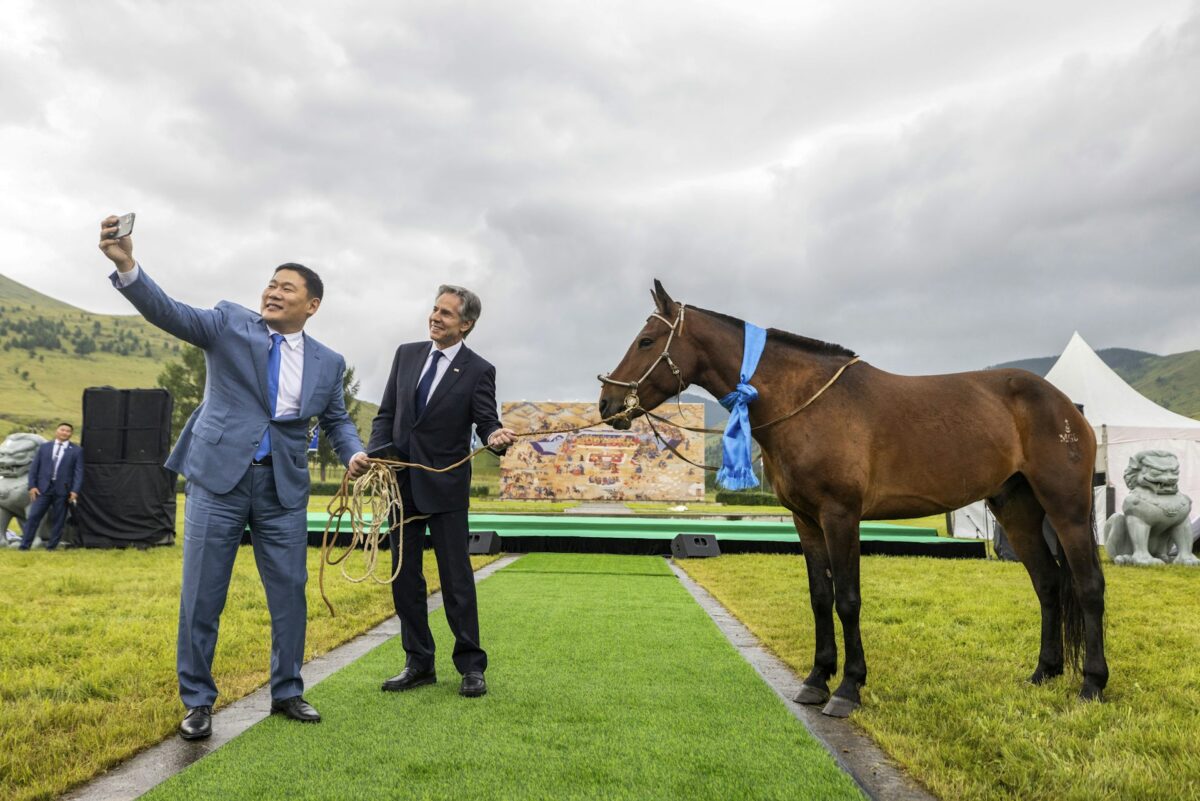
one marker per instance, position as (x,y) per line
(441,436)
(70,469)
(218,442)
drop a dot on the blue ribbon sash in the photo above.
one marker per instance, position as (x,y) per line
(736,471)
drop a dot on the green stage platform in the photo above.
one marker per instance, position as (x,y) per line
(568,533)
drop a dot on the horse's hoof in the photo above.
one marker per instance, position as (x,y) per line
(811,696)
(839,707)
(1091,693)
(1043,675)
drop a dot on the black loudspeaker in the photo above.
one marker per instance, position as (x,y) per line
(484,542)
(694,546)
(126,426)
(128,497)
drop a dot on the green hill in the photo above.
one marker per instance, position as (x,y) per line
(51,351)
(1171,381)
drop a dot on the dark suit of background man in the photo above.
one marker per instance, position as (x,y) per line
(55,477)
(436,391)
(245,454)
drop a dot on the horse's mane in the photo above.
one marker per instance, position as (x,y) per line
(787,338)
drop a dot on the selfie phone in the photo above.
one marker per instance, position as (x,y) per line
(124,225)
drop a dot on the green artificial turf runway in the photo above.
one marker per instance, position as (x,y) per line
(606,681)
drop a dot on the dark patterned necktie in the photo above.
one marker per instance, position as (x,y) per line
(427,382)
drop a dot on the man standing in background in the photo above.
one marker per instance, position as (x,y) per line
(55,478)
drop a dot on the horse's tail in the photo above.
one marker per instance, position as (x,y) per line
(1068,599)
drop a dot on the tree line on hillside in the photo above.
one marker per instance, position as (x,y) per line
(41,333)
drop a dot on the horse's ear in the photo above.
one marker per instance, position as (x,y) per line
(661,299)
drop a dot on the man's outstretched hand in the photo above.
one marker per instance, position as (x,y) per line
(119,251)
(358,465)
(501,438)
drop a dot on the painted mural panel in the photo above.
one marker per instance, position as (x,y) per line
(600,463)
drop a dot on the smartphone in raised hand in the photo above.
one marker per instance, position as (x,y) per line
(124,225)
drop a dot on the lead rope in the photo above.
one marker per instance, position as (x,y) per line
(377,492)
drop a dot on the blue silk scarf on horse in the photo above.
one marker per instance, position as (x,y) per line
(737,472)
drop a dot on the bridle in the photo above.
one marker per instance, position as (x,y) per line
(631,399)
(634,404)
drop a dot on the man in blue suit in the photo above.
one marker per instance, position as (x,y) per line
(244,453)
(55,477)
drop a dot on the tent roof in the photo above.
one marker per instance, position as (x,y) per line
(1106,398)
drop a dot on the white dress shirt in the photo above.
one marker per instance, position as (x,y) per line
(291,374)
(443,364)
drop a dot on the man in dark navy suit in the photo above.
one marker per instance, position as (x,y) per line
(55,477)
(436,391)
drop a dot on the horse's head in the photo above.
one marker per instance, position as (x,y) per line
(657,365)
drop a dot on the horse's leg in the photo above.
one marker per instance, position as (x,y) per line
(815,689)
(1070,512)
(841,539)
(1021,515)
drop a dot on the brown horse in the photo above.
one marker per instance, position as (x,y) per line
(880,446)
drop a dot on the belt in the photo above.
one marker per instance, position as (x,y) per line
(263,462)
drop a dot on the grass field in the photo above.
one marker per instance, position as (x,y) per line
(949,644)
(87,665)
(606,681)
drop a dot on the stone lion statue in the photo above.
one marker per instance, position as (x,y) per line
(1154,516)
(16,455)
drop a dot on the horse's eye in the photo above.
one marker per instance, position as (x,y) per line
(645,342)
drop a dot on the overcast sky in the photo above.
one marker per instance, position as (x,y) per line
(939,186)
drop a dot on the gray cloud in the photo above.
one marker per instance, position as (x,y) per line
(938,188)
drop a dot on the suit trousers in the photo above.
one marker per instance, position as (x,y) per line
(54,501)
(451,542)
(212,532)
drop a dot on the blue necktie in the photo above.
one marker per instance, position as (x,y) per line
(427,382)
(273,358)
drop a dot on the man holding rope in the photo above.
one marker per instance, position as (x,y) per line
(436,391)
(244,455)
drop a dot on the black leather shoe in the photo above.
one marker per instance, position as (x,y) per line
(197,723)
(408,679)
(473,685)
(296,708)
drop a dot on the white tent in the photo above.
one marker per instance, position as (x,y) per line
(1126,421)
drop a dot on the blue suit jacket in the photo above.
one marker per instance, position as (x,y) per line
(218,442)
(70,468)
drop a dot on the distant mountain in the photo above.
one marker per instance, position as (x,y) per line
(51,351)
(1170,381)
(1117,358)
